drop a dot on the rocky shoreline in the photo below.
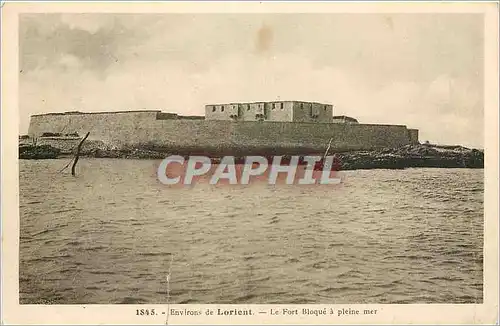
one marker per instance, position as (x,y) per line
(409,156)
(38,152)
(413,156)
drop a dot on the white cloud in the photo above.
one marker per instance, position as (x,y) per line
(87,22)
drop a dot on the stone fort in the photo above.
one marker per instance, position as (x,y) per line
(281,127)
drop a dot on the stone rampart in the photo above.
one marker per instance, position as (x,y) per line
(142,128)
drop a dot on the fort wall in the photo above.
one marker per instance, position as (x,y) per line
(284,111)
(113,127)
(413,134)
(312,112)
(143,127)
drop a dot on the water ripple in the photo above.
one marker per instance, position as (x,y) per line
(409,236)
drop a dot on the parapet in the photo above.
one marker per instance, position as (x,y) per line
(94,113)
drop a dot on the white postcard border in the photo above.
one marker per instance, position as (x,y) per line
(13,313)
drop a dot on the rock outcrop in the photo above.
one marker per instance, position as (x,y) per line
(412,156)
(409,156)
(38,152)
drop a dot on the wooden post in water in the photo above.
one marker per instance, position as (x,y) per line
(327,149)
(77,155)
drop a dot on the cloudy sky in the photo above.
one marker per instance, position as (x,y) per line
(421,70)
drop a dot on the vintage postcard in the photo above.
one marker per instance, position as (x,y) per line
(250,163)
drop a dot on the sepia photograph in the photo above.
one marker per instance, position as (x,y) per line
(291,160)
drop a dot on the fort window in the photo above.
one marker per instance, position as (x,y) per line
(221,109)
(213,109)
(248,107)
(301,106)
(281,106)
